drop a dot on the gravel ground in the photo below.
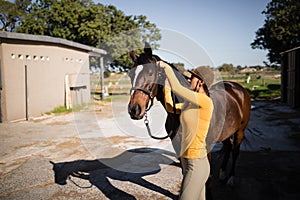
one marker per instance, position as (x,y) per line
(117,159)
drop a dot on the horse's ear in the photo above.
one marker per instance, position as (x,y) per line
(133,56)
(148,50)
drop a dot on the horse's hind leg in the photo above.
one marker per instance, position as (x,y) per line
(237,140)
(227,146)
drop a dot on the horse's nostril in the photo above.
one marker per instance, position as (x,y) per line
(135,111)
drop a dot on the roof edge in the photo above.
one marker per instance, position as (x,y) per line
(293,49)
(49,39)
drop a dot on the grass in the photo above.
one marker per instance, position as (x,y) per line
(63,109)
(262,85)
(58,110)
(263,88)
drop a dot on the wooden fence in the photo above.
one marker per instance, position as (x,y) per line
(116,84)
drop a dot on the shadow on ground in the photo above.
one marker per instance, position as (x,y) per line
(268,165)
(263,175)
(267,168)
(130,166)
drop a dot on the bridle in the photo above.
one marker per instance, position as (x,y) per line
(150,94)
(147,92)
(160,77)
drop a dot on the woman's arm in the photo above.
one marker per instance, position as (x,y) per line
(189,95)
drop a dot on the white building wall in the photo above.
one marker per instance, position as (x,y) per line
(47,67)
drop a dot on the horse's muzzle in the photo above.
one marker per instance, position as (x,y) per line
(135,111)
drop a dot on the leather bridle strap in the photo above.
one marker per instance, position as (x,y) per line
(147,92)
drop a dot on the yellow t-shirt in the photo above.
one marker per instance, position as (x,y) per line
(195,118)
(169,101)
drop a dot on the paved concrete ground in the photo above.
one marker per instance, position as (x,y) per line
(135,166)
(118,160)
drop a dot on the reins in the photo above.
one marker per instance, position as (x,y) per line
(151,97)
(146,121)
(79,176)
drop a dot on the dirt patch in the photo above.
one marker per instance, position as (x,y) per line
(68,144)
(118,139)
(57,123)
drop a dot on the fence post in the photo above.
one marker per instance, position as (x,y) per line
(102,78)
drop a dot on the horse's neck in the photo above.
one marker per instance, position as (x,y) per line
(181,78)
(160,95)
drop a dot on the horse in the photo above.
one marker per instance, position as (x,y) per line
(232,105)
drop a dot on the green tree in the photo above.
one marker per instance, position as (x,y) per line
(79,21)
(127,33)
(281,30)
(238,68)
(12,13)
(92,24)
(227,68)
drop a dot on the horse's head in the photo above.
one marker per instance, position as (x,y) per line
(145,77)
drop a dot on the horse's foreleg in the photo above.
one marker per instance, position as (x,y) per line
(176,143)
(227,146)
(208,192)
(209,156)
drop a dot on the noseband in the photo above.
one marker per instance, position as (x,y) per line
(147,92)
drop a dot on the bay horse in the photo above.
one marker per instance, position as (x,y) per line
(230,117)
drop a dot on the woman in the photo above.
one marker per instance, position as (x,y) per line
(195,119)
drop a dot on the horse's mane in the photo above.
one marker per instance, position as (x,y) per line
(181,78)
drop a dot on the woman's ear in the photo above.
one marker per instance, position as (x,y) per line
(201,82)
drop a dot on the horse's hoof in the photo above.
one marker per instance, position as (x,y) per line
(230,182)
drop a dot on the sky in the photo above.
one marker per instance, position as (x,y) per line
(203,32)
